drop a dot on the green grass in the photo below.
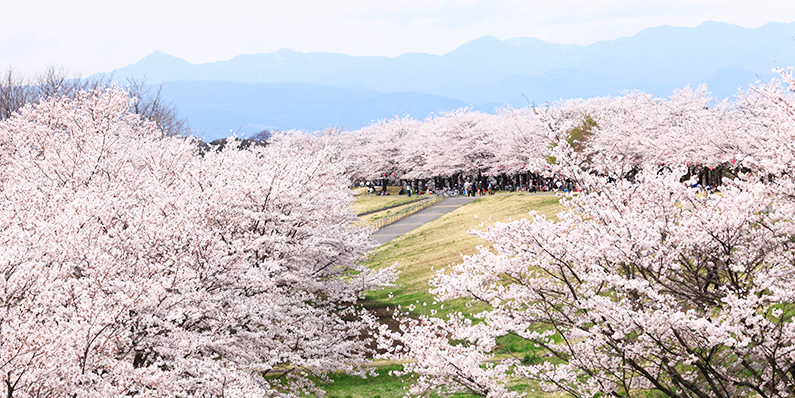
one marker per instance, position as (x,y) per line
(365,203)
(442,242)
(375,216)
(382,386)
(419,254)
(385,385)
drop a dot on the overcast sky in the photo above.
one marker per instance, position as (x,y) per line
(88,36)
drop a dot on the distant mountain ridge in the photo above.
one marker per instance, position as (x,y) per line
(219,109)
(483,71)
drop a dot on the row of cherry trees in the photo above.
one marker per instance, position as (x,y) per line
(635,130)
(641,285)
(459,144)
(133,264)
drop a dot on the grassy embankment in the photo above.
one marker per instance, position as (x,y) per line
(419,254)
(443,242)
(373,208)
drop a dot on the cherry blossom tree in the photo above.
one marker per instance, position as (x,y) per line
(458,143)
(519,138)
(387,149)
(640,286)
(137,264)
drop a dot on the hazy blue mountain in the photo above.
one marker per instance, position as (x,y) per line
(484,71)
(219,109)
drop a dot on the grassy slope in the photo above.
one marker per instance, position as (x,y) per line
(419,253)
(365,203)
(377,215)
(443,241)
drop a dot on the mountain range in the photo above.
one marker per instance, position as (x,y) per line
(293,90)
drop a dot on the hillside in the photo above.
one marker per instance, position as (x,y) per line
(419,254)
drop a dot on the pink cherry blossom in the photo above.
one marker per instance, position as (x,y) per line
(133,264)
(641,283)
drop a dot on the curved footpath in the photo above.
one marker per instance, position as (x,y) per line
(421,217)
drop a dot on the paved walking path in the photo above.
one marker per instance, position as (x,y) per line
(421,217)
